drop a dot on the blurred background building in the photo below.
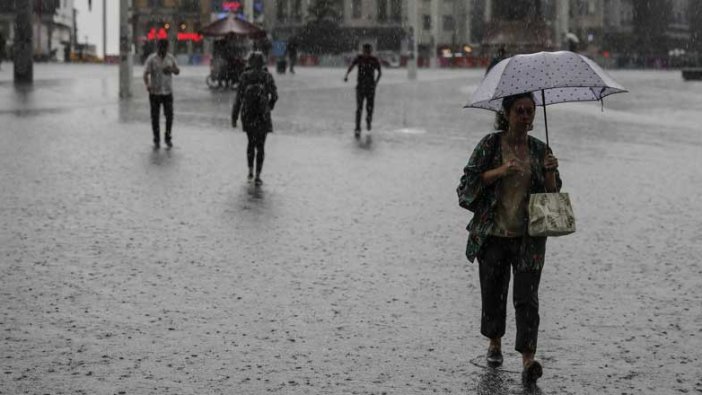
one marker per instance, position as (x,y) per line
(631,33)
(177,21)
(54,29)
(461,33)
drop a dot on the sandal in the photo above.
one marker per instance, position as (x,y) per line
(494,357)
(532,371)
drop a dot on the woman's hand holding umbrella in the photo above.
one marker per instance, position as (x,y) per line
(550,163)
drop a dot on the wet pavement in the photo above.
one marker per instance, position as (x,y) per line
(129,270)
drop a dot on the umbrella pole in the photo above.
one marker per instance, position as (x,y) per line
(543,103)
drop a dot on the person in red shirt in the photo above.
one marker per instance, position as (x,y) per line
(365,88)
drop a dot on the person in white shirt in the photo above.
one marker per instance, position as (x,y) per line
(158,70)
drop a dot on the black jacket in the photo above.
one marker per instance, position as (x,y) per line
(260,123)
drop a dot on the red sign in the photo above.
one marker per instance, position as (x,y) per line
(161,34)
(189,37)
(231,5)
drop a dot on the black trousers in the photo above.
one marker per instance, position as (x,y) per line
(256,149)
(496,258)
(156,101)
(366,94)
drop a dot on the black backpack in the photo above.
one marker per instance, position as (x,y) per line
(255,100)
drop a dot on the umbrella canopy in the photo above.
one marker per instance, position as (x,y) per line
(555,77)
(232,25)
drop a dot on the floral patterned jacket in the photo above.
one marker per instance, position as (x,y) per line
(474,196)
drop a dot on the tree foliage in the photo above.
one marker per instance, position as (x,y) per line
(651,21)
(321,10)
(695,21)
(322,33)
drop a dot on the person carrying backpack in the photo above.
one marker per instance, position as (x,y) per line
(255,98)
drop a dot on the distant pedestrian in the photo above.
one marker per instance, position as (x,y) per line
(504,169)
(501,53)
(158,70)
(2,49)
(365,88)
(292,54)
(255,98)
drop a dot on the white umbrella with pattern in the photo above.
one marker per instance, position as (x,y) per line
(554,77)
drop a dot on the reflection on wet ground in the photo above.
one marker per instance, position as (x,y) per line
(365,141)
(344,273)
(160,156)
(492,382)
(255,191)
(499,382)
(503,380)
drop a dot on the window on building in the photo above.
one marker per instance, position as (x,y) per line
(426,22)
(282,11)
(356,9)
(190,5)
(581,7)
(297,10)
(591,7)
(396,10)
(608,17)
(586,7)
(449,23)
(340,9)
(627,13)
(382,10)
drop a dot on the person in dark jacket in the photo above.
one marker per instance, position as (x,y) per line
(365,89)
(292,54)
(255,98)
(501,55)
(2,48)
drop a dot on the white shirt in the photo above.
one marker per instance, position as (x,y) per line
(159,82)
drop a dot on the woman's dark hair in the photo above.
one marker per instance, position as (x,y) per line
(501,122)
(256,60)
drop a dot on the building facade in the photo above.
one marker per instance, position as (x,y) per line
(384,23)
(380,22)
(445,28)
(608,29)
(520,26)
(53,28)
(177,21)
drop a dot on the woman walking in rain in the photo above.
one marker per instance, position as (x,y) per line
(255,99)
(504,169)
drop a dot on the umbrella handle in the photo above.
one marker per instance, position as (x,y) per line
(543,103)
